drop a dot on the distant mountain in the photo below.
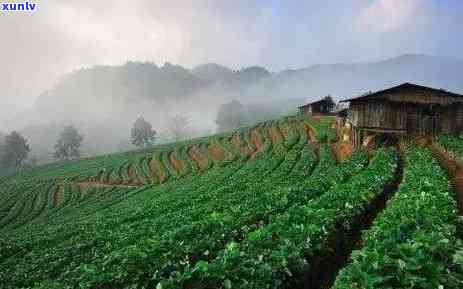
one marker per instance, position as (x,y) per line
(105,100)
(252,74)
(103,90)
(345,80)
(117,87)
(212,73)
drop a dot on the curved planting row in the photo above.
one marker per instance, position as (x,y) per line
(135,167)
(229,218)
(186,203)
(281,250)
(114,260)
(71,186)
(145,168)
(189,158)
(414,242)
(323,129)
(144,210)
(28,203)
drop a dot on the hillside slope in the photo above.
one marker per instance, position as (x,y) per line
(93,99)
(267,206)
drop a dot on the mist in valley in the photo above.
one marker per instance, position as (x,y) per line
(99,65)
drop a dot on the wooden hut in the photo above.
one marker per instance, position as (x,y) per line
(341,115)
(407,110)
(323,106)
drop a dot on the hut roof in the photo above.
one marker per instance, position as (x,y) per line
(327,99)
(412,93)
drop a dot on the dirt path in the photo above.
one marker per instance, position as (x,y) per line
(284,129)
(454,168)
(88,185)
(256,140)
(325,268)
(156,171)
(198,157)
(216,152)
(243,148)
(275,135)
(57,195)
(177,164)
(341,149)
(134,178)
(311,134)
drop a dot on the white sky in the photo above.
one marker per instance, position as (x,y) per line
(63,35)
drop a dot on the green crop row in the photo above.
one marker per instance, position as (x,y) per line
(64,228)
(323,129)
(282,249)
(50,245)
(452,143)
(413,243)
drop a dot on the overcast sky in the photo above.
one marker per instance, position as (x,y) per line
(62,35)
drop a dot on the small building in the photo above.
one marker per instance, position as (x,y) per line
(324,106)
(341,112)
(341,115)
(408,110)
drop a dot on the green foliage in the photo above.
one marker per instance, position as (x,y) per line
(323,129)
(452,143)
(270,255)
(413,243)
(142,133)
(253,220)
(14,151)
(68,144)
(121,236)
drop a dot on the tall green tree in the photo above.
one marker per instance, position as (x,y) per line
(142,133)
(230,116)
(14,150)
(68,144)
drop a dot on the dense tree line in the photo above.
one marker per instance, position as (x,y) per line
(15,150)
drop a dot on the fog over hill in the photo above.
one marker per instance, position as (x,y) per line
(104,101)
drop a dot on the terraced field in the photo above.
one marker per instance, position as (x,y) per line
(267,206)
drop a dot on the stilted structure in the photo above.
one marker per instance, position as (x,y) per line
(406,110)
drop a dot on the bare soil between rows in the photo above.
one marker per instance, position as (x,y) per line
(454,169)
(324,268)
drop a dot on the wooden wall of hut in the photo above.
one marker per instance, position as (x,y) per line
(409,118)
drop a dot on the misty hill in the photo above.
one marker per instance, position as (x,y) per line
(121,86)
(346,80)
(117,88)
(105,100)
(212,72)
